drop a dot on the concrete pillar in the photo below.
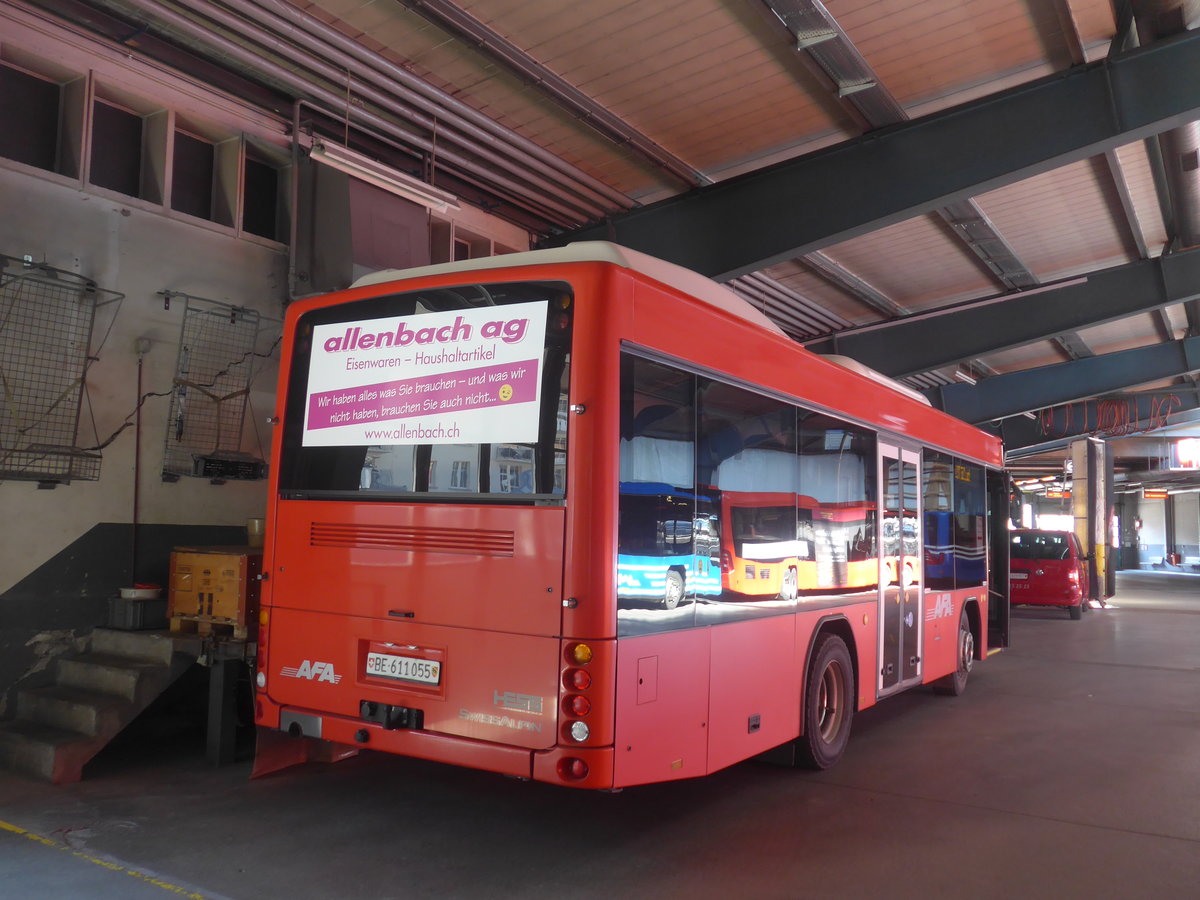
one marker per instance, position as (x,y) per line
(1091,503)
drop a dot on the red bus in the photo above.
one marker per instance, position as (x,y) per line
(457,460)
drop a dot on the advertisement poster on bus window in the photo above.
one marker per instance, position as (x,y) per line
(455,377)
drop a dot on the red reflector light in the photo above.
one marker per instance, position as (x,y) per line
(572,768)
(577,679)
(577,705)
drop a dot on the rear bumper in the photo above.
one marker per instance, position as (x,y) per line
(518,762)
(1035,599)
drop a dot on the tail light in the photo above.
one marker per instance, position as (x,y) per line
(577,680)
(726,561)
(572,769)
(580,654)
(576,706)
(260,679)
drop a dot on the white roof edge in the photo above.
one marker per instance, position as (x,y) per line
(867,372)
(670,274)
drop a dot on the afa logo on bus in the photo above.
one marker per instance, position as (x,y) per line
(312,671)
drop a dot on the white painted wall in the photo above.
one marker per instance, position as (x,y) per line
(124,246)
(1152,539)
(1187,523)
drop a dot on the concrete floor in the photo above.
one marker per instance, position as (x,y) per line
(1070,768)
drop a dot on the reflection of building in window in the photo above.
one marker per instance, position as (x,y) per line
(455,471)
(560,473)
(460,474)
(512,471)
(508,478)
(388,468)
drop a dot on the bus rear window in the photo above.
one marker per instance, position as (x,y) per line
(445,393)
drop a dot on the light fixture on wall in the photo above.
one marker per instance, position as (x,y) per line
(366,169)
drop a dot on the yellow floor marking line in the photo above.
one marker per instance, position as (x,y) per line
(104,863)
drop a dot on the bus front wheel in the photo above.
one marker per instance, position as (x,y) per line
(829,699)
(673,592)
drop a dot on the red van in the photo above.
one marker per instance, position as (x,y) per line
(1047,568)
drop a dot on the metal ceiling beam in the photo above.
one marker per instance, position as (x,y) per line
(1118,416)
(795,314)
(858,288)
(1030,389)
(784,211)
(828,49)
(1074,346)
(950,335)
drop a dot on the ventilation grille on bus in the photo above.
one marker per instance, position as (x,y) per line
(402,537)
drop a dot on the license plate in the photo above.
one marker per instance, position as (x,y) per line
(404,668)
(1018,576)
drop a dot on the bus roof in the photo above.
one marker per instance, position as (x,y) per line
(678,277)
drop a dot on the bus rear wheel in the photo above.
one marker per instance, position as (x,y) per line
(829,699)
(955,684)
(673,592)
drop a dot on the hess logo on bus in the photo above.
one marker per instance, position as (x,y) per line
(312,671)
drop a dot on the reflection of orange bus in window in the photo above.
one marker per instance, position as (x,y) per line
(844,536)
(767,545)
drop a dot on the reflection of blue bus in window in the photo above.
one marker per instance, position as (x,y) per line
(955,555)
(939,550)
(668,545)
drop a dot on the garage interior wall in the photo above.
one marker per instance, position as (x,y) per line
(1152,538)
(1187,527)
(68,550)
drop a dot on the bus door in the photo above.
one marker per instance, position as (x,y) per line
(900,569)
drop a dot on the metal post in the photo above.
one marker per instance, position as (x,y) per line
(222,710)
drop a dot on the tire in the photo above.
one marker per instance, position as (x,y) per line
(953,685)
(791,585)
(673,592)
(1076,612)
(829,701)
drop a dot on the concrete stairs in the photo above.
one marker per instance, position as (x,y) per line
(95,694)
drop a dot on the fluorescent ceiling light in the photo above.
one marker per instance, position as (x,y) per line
(366,169)
(965,377)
